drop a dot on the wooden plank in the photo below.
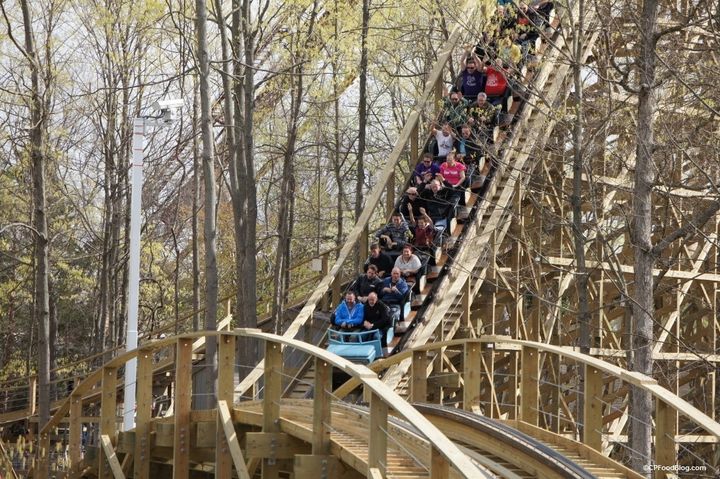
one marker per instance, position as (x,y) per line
(374,473)
(627,269)
(472,374)
(418,386)
(182,403)
(143,415)
(317,466)
(322,407)
(225,389)
(111,457)
(529,390)
(439,468)
(127,464)
(75,431)
(271,403)
(466,304)
(447,379)
(593,408)
(32,396)
(666,426)
(225,425)
(273,446)
(108,412)
(377,449)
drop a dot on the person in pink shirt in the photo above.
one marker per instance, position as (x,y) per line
(452,173)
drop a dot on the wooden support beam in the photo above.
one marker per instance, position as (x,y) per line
(627,269)
(108,413)
(224,457)
(273,446)
(141,466)
(593,408)
(317,466)
(472,374)
(75,430)
(271,403)
(466,304)
(326,300)
(32,396)
(322,408)
(127,464)
(377,453)
(183,401)
(335,298)
(374,473)
(390,196)
(447,379)
(439,468)
(111,457)
(666,427)
(230,441)
(364,245)
(414,150)
(418,387)
(108,408)
(529,390)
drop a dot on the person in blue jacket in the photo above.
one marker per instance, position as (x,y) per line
(350,313)
(392,292)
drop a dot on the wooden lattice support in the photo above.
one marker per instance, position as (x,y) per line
(418,386)
(438,465)
(230,442)
(182,403)
(592,408)
(377,452)
(271,403)
(529,389)
(227,447)
(111,458)
(666,427)
(322,407)
(108,415)
(472,360)
(75,431)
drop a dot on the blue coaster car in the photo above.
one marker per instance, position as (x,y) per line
(361,347)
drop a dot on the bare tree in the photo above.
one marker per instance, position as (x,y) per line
(210,225)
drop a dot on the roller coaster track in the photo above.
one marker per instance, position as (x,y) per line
(491,218)
(325,437)
(321,436)
(329,438)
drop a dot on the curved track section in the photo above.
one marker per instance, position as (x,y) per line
(493,439)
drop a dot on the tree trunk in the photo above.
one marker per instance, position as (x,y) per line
(244,199)
(210,226)
(195,222)
(41,306)
(643,305)
(576,199)
(362,125)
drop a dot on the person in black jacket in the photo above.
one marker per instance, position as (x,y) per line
(367,283)
(380,259)
(377,316)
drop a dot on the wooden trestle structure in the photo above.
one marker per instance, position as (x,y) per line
(497,337)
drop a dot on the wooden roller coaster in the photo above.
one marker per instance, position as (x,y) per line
(483,384)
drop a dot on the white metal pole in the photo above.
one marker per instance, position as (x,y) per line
(138,157)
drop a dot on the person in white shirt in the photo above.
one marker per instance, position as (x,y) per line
(408,263)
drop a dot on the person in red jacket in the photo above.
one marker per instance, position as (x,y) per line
(496,86)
